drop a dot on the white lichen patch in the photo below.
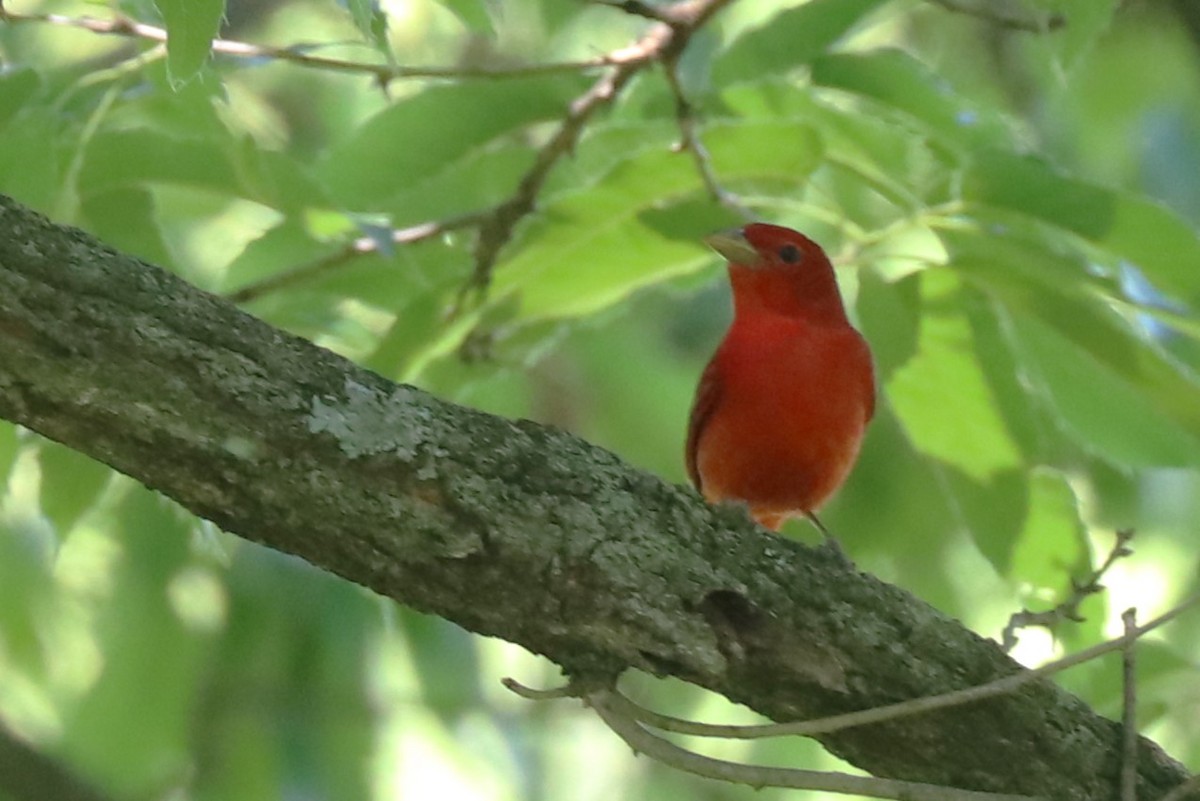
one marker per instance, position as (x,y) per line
(366,421)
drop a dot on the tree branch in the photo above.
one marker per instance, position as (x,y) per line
(383,74)
(510,528)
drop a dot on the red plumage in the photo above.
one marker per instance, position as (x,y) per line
(782,407)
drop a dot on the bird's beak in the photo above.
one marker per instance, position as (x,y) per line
(733,246)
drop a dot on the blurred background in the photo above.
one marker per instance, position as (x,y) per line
(1011,189)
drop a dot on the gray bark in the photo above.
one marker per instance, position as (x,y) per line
(509,528)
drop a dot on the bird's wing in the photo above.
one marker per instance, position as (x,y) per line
(708,395)
(868,375)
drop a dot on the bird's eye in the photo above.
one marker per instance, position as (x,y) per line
(790,254)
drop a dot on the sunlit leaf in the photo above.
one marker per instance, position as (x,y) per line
(898,81)
(371,20)
(1053,548)
(1133,228)
(1083,23)
(17,87)
(71,484)
(127,158)
(942,395)
(590,250)
(1103,409)
(790,39)
(420,134)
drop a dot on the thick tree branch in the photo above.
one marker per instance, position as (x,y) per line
(510,528)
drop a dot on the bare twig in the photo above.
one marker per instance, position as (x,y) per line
(685,118)
(532,694)
(383,73)
(1129,771)
(1001,19)
(637,9)
(642,741)
(663,42)
(361,246)
(1068,609)
(902,709)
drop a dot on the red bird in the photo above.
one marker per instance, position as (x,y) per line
(782,406)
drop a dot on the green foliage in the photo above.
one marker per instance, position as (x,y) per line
(191,26)
(995,195)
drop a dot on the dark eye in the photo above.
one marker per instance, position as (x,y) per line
(790,254)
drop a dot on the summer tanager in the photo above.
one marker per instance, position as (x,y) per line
(782,406)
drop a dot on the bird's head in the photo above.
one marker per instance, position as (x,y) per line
(780,270)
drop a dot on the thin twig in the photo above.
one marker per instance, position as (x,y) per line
(663,42)
(295,54)
(902,709)
(551,694)
(1068,609)
(637,9)
(361,246)
(685,118)
(1129,744)
(1001,19)
(642,741)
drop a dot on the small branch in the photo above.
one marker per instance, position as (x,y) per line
(295,54)
(532,694)
(1129,772)
(685,118)
(1002,20)
(663,42)
(1068,609)
(915,706)
(642,741)
(637,9)
(361,246)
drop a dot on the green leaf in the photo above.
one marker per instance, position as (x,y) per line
(132,728)
(28,585)
(472,13)
(1084,22)
(17,86)
(790,39)
(1127,421)
(888,160)
(990,509)
(371,20)
(1029,185)
(898,81)
(1126,226)
(34,149)
(942,395)
(888,316)
(1053,547)
(125,218)
(478,180)
(1143,406)
(116,159)
(636,227)
(421,134)
(191,27)
(288,245)
(71,484)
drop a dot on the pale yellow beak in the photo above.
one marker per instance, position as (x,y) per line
(734,247)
